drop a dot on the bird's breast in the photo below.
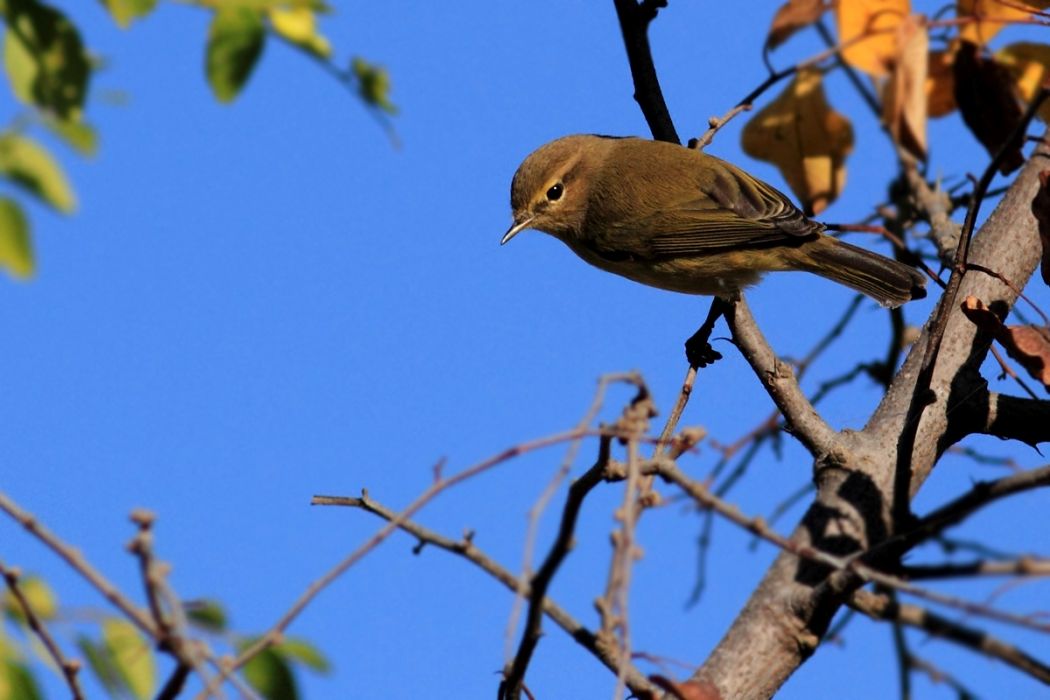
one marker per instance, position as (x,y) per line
(724,273)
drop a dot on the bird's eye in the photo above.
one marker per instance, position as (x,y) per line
(555,192)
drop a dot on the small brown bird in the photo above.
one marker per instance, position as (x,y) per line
(678,219)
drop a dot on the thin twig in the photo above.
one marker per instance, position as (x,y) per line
(536,512)
(465,547)
(70,667)
(440,484)
(76,560)
(882,607)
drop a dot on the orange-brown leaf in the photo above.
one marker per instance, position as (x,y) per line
(1041,210)
(868,30)
(1028,345)
(985,95)
(689,690)
(792,16)
(1029,64)
(940,83)
(806,139)
(981,316)
(990,16)
(904,95)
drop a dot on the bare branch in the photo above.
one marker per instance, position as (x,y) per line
(514,677)
(881,607)
(1013,418)
(779,381)
(1022,566)
(982,494)
(634,19)
(70,667)
(76,560)
(608,654)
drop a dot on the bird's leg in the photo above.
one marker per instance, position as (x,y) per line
(698,350)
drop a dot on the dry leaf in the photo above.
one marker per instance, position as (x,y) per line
(904,95)
(792,16)
(807,141)
(1029,64)
(689,690)
(940,82)
(868,30)
(1028,345)
(991,16)
(984,93)
(1041,210)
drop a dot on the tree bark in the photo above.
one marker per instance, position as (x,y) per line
(853,510)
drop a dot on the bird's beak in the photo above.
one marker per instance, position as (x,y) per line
(516,228)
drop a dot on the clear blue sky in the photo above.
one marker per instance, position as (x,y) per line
(261,302)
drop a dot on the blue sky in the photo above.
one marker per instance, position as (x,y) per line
(261,302)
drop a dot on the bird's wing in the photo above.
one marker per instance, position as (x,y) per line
(731,210)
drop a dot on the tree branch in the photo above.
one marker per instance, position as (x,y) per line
(1013,418)
(465,547)
(786,616)
(881,607)
(634,19)
(803,421)
(70,667)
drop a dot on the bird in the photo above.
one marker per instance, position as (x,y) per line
(681,220)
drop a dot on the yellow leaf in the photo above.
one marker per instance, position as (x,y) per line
(39,595)
(990,16)
(132,656)
(940,82)
(868,30)
(792,16)
(806,139)
(904,96)
(1029,65)
(28,164)
(299,26)
(125,11)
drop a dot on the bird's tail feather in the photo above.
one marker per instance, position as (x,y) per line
(887,281)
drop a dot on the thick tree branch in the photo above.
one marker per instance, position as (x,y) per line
(1013,418)
(789,612)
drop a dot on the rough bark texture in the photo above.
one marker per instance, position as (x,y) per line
(787,615)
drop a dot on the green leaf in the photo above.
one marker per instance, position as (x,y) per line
(268,672)
(100,661)
(29,165)
(16,251)
(80,136)
(305,653)
(126,11)
(207,614)
(373,84)
(235,42)
(45,58)
(132,656)
(16,683)
(16,254)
